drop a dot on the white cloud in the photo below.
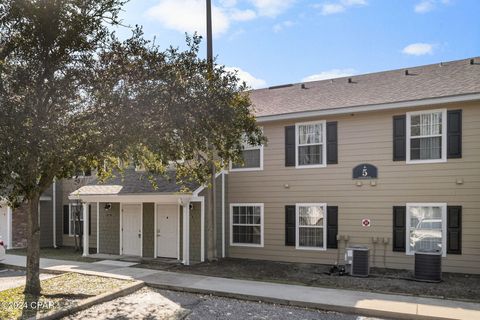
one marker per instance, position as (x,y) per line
(332,8)
(271,8)
(242,15)
(328,8)
(330,74)
(249,79)
(282,25)
(418,49)
(425,6)
(189,16)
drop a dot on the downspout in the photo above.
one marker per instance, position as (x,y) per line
(223,214)
(54,199)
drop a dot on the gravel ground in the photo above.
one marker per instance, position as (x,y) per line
(454,286)
(150,303)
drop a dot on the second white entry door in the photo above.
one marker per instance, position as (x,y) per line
(167,231)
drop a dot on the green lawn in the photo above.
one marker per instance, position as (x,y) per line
(64,253)
(57,293)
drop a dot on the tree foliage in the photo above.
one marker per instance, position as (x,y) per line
(74,96)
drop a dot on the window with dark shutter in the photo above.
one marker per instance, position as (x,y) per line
(454,134)
(454,229)
(290,226)
(332,143)
(399,138)
(332,227)
(66,219)
(290,146)
(399,228)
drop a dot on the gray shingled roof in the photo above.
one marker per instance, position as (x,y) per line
(430,81)
(133,182)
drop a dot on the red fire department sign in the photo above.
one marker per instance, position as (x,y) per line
(366,222)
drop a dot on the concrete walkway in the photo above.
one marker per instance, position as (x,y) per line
(347,301)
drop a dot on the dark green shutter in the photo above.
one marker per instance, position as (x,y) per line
(66,219)
(89,219)
(332,143)
(290,146)
(399,138)
(290,224)
(454,134)
(454,230)
(399,228)
(332,227)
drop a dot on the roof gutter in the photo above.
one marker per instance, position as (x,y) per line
(371,107)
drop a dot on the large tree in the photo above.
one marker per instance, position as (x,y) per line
(73,96)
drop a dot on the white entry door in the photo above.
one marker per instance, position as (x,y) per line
(4,224)
(131,229)
(167,231)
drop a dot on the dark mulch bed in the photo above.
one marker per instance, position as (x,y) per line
(453,286)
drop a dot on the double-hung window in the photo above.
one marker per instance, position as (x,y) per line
(311,224)
(426,227)
(310,149)
(246,224)
(252,158)
(426,136)
(74,210)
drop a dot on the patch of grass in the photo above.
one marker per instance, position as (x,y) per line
(57,293)
(64,253)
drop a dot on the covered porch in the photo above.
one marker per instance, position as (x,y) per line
(132,223)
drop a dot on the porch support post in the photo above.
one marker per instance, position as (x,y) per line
(186,231)
(85,230)
(98,227)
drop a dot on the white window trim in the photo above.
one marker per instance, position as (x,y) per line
(232,244)
(443,135)
(253,168)
(297,226)
(260,147)
(70,205)
(324,145)
(444,226)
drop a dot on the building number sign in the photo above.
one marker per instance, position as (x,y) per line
(365,171)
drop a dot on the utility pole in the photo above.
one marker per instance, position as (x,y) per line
(212,225)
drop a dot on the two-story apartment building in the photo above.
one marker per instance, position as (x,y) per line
(297,199)
(387,160)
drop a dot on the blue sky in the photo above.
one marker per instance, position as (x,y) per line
(273,42)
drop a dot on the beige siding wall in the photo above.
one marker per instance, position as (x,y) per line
(364,137)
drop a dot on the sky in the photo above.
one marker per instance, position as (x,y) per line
(274,42)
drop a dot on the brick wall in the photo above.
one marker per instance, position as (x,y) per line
(19,226)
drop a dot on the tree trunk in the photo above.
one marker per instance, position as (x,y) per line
(33,247)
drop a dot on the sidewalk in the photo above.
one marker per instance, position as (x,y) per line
(346,301)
